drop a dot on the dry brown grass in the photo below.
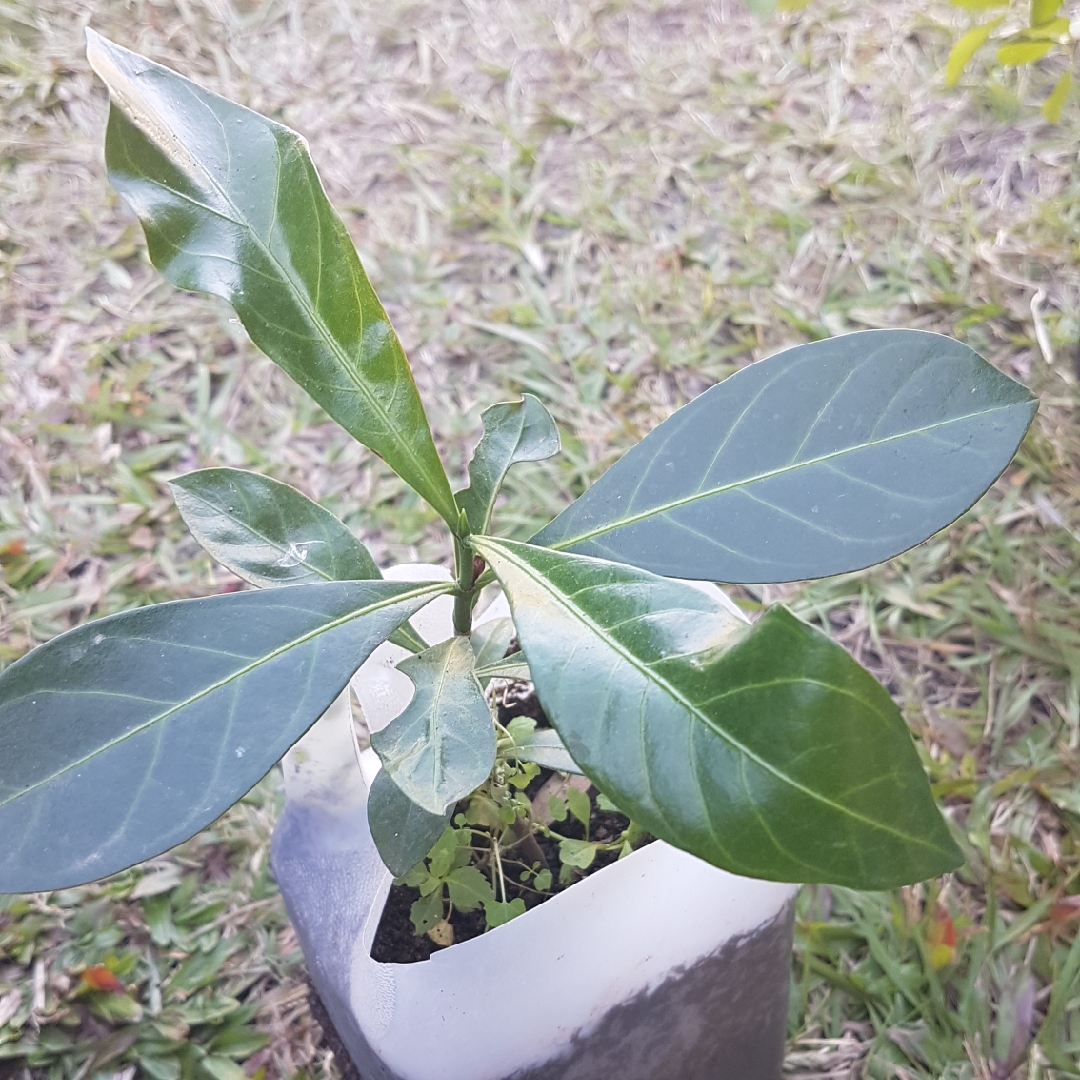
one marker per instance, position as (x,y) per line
(612,203)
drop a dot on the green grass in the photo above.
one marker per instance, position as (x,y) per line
(611,205)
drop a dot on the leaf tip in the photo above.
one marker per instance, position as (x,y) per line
(97,51)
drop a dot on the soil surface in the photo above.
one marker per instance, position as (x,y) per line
(395,939)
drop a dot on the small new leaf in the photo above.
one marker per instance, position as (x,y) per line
(427,912)
(513,431)
(443,745)
(513,667)
(490,641)
(579,805)
(546,748)
(577,853)
(498,914)
(267,532)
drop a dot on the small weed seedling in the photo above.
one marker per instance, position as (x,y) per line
(764,749)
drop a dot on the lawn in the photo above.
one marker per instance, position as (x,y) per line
(612,204)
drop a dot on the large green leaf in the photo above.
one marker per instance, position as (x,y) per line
(443,745)
(231,205)
(127,735)
(267,532)
(513,431)
(766,750)
(403,832)
(826,458)
(270,534)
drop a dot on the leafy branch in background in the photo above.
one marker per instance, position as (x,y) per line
(1043,32)
(1027,32)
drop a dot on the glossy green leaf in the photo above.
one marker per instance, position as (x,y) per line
(270,534)
(231,205)
(513,431)
(403,832)
(127,735)
(826,458)
(442,746)
(267,532)
(765,750)
(546,748)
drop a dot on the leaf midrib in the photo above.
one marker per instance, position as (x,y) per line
(267,658)
(611,526)
(316,318)
(649,674)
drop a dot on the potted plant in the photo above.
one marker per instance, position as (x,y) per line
(758,755)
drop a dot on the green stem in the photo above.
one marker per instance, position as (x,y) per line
(466,587)
(498,866)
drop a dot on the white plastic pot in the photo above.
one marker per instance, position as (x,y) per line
(658,966)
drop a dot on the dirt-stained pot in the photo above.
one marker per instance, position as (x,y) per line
(658,966)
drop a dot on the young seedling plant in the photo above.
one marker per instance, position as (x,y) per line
(764,749)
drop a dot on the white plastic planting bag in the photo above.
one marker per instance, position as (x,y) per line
(616,976)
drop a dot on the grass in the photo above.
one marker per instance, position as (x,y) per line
(612,205)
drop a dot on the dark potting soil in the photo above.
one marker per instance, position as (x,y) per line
(395,939)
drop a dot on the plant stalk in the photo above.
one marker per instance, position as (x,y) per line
(463,597)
